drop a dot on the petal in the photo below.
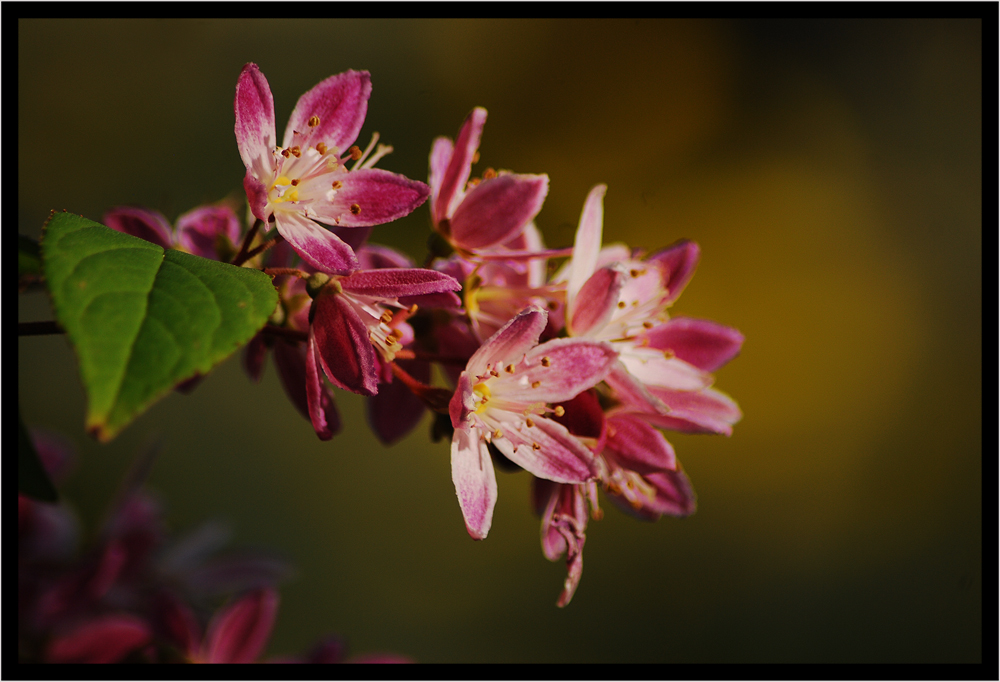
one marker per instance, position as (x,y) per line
(597,301)
(559,457)
(441,151)
(142,223)
(495,210)
(638,446)
(298,370)
(653,368)
(454,177)
(510,342)
(256,196)
(374,256)
(556,371)
(393,282)
(253,358)
(340,102)
(357,238)
(587,243)
(674,494)
(316,245)
(678,263)
(238,633)
(255,136)
(370,196)
(105,639)
(705,411)
(475,480)
(584,416)
(705,344)
(199,230)
(632,392)
(395,411)
(342,344)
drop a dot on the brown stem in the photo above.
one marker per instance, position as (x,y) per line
(39,328)
(431,357)
(259,250)
(436,398)
(274,272)
(241,257)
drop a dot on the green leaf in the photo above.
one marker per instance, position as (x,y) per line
(142,319)
(32,479)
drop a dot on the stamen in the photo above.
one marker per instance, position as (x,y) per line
(489,174)
(313,121)
(559,410)
(529,422)
(475,157)
(536,446)
(536,384)
(669,354)
(296,152)
(509,369)
(355,152)
(295,182)
(285,153)
(386,317)
(321,148)
(498,434)
(337,184)
(494,372)
(355,209)
(647,324)
(413,309)
(621,304)
(546,361)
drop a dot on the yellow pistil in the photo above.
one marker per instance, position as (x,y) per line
(483,391)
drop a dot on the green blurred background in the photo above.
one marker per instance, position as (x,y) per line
(830,171)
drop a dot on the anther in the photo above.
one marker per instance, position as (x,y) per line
(536,446)
(529,422)
(621,304)
(489,174)
(313,121)
(494,372)
(475,157)
(296,152)
(355,152)
(386,317)
(546,361)
(285,153)
(413,309)
(337,184)
(498,434)
(355,209)
(396,334)
(536,384)
(559,410)
(634,272)
(509,369)
(295,182)
(647,324)
(668,354)
(321,148)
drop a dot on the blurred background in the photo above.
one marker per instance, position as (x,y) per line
(830,171)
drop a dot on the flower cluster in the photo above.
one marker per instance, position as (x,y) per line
(569,372)
(138,595)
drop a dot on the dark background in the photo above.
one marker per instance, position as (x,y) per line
(830,171)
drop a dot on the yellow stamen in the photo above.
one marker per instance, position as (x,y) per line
(313,121)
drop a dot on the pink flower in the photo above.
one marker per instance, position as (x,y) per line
(353,326)
(614,297)
(484,213)
(207,231)
(305,181)
(502,398)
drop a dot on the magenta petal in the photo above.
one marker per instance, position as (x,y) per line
(299,373)
(705,344)
(238,633)
(317,246)
(475,480)
(638,446)
(596,302)
(674,494)
(558,370)
(375,256)
(105,639)
(254,107)
(654,369)
(678,263)
(200,230)
(705,411)
(256,192)
(340,102)
(454,177)
(559,457)
(371,196)
(396,410)
(253,358)
(342,343)
(495,210)
(142,223)
(587,243)
(393,282)
(510,342)
(441,151)
(630,391)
